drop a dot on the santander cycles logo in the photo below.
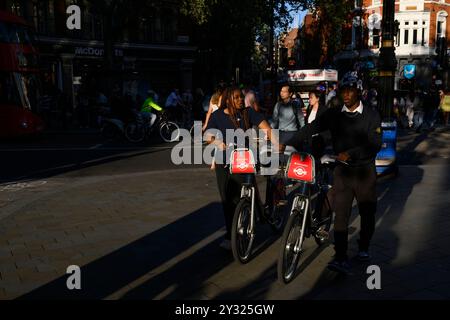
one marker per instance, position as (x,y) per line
(300,171)
(243,165)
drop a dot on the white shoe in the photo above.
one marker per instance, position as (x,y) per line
(226,244)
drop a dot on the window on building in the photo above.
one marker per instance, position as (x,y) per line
(423,36)
(415,36)
(415,23)
(145,30)
(405,38)
(168,24)
(406,23)
(376,38)
(44,16)
(441,24)
(16,8)
(94,20)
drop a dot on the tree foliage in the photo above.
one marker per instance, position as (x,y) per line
(330,17)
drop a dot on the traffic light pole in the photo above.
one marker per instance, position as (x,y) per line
(387,61)
(386,159)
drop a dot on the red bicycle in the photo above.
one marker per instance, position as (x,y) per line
(306,218)
(250,209)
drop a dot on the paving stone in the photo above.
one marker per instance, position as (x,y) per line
(94,220)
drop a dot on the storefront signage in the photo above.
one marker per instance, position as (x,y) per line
(96,52)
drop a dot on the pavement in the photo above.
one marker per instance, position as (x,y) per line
(142,228)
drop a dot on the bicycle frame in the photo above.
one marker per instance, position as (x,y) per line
(250,190)
(301,202)
(303,222)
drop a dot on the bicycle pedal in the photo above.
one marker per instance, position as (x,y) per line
(282,202)
(322,234)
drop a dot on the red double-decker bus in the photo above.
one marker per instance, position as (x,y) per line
(19,84)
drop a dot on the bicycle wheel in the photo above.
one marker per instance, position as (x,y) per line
(135,132)
(278,200)
(290,253)
(169,131)
(241,238)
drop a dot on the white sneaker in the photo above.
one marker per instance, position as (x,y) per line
(226,244)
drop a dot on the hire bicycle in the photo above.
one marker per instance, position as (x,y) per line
(250,209)
(309,201)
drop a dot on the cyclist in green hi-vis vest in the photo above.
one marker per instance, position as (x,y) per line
(148,105)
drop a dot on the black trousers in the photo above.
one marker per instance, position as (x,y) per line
(230,193)
(350,183)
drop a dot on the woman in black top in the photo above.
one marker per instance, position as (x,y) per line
(232,116)
(315,110)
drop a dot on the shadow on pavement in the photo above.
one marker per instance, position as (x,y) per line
(29,166)
(115,271)
(391,207)
(434,146)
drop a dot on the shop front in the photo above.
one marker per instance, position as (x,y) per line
(71,65)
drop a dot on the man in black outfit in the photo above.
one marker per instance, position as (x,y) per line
(356,139)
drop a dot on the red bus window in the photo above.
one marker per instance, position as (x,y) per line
(9,94)
(4,34)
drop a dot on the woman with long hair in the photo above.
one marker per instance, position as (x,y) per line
(232,115)
(214,104)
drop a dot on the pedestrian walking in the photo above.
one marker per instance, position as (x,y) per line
(356,135)
(232,116)
(287,115)
(445,107)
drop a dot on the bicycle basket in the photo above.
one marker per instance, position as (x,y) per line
(301,167)
(242,162)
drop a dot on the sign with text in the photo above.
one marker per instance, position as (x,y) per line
(313,75)
(96,52)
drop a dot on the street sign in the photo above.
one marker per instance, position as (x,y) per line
(409,71)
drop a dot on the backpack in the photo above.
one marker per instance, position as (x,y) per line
(294,106)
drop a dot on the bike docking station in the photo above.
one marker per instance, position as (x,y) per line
(386,160)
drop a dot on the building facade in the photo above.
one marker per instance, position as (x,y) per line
(421,25)
(152,47)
